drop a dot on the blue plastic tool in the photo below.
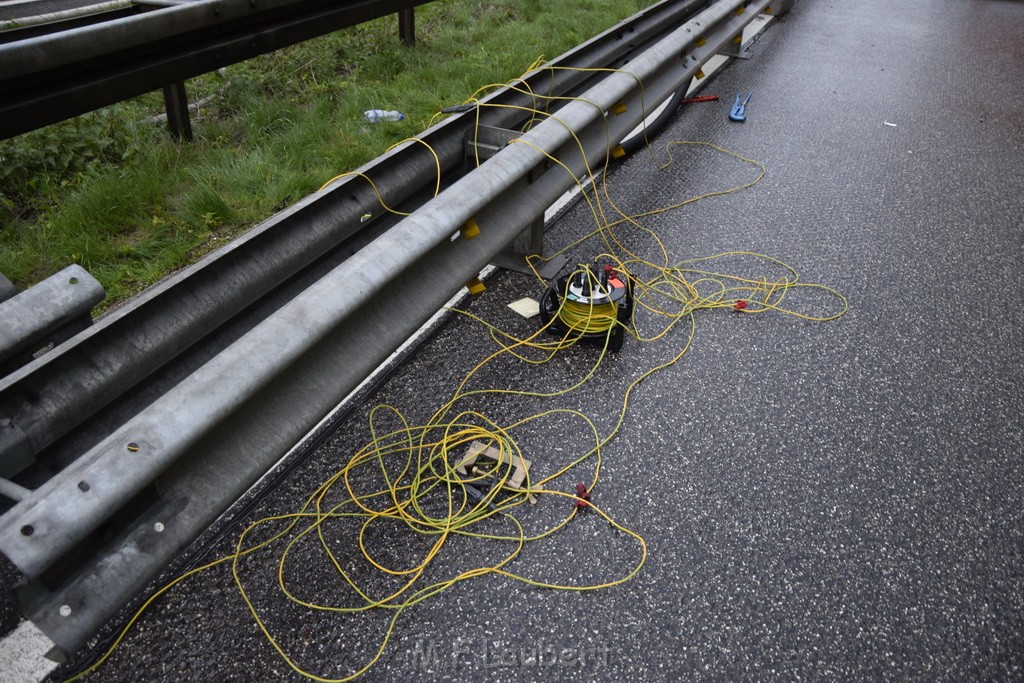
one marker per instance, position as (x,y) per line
(738,112)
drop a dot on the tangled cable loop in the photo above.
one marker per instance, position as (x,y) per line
(414,478)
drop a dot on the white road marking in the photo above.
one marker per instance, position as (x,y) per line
(23,655)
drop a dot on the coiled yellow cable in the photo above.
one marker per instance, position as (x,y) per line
(405,475)
(588,318)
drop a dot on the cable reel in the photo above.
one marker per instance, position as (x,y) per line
(594,302)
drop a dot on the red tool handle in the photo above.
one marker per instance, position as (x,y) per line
(702,98)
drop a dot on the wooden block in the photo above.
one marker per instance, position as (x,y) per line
(477,449)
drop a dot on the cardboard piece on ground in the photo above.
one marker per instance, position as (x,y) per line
(526,307)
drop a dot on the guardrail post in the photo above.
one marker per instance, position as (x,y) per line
(407,26)
(482,144)
(176,102)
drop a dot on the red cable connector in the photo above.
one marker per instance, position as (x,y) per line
(583,495)
(740,305)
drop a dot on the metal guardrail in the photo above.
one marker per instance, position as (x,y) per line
(25,13)
(53,310)
(49,77)
(30,23)
(56,394)
(211,436)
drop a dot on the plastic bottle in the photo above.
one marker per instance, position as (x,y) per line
(378,115)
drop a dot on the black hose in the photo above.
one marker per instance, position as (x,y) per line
(631,145)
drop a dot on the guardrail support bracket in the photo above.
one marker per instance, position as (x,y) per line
(482,144)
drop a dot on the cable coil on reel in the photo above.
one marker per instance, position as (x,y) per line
(594,303)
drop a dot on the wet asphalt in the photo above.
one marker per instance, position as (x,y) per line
(818,500)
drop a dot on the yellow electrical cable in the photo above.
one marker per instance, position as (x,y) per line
(437,182)
(588,318)
(406,474)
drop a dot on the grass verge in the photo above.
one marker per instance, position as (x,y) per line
(110,191)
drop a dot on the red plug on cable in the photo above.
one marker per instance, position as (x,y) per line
(583,495)
(740,305)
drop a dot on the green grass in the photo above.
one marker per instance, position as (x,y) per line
(110,190)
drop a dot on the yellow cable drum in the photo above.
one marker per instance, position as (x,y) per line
(592,303)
